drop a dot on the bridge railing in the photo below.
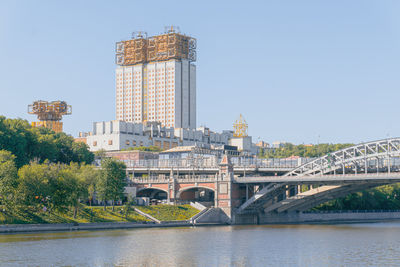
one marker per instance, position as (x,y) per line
(165,178)
(213,162)
(269,163)
(173,163)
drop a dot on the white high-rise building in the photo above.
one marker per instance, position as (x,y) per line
(156,80)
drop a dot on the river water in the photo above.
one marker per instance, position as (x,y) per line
(372,244)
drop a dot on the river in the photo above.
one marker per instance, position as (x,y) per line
(370,244)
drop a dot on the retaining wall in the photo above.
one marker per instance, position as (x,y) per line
(331,217)
(15,228)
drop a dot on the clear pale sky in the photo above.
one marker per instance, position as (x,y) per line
(299,71)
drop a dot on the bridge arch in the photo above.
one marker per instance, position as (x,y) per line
(152,193)
(196,193)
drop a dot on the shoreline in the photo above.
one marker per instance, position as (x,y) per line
(55,227)
(283,220)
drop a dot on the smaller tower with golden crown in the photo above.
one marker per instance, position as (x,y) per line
(240,137)
(240,127)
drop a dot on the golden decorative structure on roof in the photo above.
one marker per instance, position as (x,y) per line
(240,127)
(143,49)
(49,114)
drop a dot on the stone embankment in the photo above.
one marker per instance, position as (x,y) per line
(51,227)
(319,217)
(335,217)
(205,216)
(214,216)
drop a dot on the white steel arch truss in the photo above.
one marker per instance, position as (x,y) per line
(377,156)
(382,156)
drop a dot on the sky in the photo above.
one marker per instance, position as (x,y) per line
(299,71)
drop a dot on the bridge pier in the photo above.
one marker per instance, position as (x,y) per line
(223,186)
(228,193)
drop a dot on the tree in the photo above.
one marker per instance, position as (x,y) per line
(57,186)
(15,138)
(112,181)
(90,177)
(99,154)
(8,176)
(128,206)
(33,184)
(81,153)
(64,188)
(74,185)
(29,143)
(44,146)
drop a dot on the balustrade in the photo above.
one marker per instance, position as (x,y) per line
(198,163)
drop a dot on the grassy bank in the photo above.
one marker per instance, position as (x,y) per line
(86,214)
(169,212)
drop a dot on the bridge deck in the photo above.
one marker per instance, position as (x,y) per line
(320,178)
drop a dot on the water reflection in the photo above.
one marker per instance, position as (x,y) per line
(288,245)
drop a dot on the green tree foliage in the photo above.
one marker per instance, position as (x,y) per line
(308,151)
(40,144)
(8,176)
(385,197)
(55,186)
(101,153)
(34,184)
(112,181)
(15,138)
(90,177)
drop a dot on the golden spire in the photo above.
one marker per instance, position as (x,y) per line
(240,127)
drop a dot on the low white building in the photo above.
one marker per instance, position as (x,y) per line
(244,144)
(117,135)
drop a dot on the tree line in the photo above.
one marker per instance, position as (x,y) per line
(28,143)
(385,197)
(307,151)
(59,186)
(43,169)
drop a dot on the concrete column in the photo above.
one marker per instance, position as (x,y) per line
(287,192)
(216,186)
(169,191)
(172,189)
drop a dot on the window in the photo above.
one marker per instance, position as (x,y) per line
(110,142)
(127,142)
(95,143)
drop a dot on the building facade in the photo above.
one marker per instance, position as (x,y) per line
(156,80)
(118,135)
